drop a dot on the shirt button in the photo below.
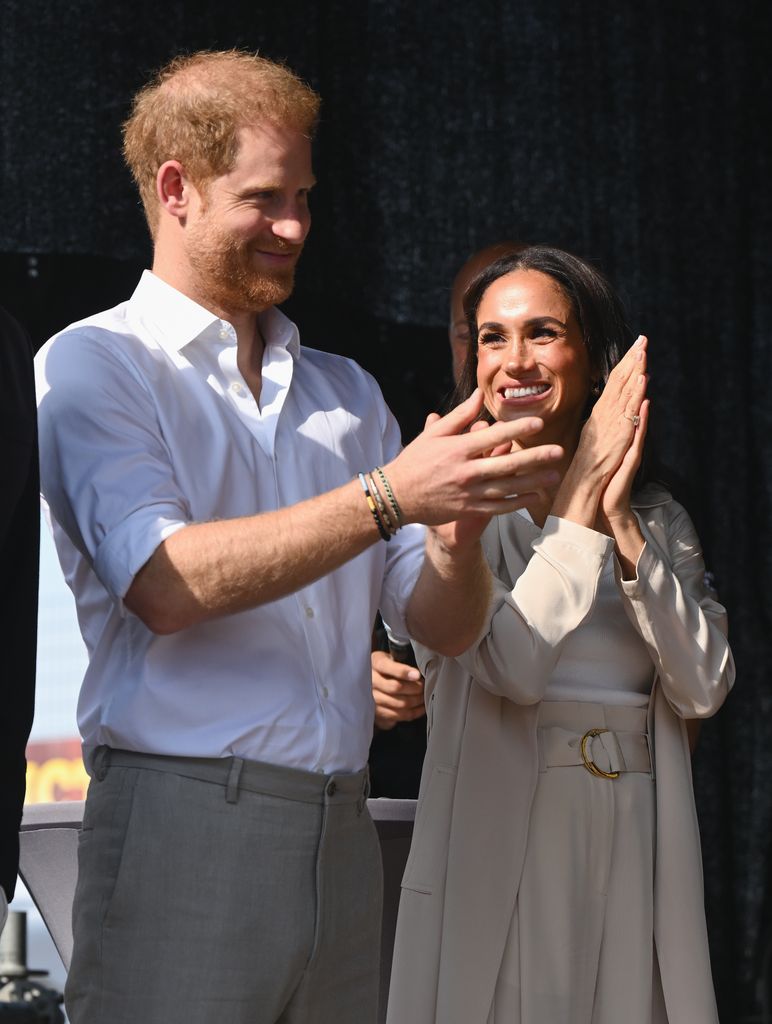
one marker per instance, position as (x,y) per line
(236,387)
(223,332)
(331,789)
(310,613)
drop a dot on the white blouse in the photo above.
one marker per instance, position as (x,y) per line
(603,661)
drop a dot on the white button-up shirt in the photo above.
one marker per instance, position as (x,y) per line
(146,425)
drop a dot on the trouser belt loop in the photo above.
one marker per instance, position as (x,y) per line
(365,791)
(101,762)
(234,777)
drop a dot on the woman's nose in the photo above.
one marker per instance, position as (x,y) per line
(519,355)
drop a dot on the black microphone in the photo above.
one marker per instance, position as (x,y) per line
(400,649)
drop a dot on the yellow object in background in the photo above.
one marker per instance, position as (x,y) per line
(55,772)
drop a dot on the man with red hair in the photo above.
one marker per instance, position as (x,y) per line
(218,493)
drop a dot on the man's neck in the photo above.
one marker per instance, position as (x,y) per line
(244,322)
(249,358)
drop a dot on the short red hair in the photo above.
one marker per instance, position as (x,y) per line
(193,108)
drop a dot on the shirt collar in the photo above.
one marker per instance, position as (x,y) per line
(651,495)
(179,320)
(277,329)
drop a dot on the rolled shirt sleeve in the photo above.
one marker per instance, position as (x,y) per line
(105,470)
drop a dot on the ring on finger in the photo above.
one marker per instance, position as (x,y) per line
(635,420)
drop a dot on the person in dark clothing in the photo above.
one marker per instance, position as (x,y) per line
(19,550)
(399,741)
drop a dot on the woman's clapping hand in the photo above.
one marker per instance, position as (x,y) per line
(610,431)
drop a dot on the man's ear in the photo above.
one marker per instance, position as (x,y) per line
(173,189)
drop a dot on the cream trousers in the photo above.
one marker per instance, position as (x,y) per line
(580,948)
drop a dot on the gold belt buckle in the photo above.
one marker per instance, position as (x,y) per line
(589,764)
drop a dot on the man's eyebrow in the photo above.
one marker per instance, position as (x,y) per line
(272,186)
(258,186)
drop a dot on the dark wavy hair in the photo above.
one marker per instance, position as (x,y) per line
(596,306)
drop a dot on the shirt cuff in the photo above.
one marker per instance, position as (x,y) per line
(403,567)
(647,568)
(559,532)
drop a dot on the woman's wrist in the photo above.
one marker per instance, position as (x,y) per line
(578,496)
(592,460)
(628,543)
(621,520)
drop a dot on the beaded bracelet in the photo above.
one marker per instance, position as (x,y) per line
(390,496)
(373,508)
(390,527)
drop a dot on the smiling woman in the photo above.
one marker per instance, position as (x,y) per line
(541,881)
(531,356)
(568,298)
(549,333)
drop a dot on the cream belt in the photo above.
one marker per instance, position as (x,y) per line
(606,739)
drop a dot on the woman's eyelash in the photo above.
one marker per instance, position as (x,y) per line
(491,337)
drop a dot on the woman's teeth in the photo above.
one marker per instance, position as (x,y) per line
(534,389)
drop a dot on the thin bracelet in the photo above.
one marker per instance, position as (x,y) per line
(372,507)
(391,529)
(390,496)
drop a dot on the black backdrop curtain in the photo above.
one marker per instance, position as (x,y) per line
(637,135)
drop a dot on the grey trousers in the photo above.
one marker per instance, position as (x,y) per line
(224,892)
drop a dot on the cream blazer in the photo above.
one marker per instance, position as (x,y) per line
(479,777)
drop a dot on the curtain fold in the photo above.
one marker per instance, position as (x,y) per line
(635,135)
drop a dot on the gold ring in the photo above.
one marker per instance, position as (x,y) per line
(589,764)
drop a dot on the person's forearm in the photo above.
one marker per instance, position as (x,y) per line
(579,495)
(206,570)
(448,606)
(210,569)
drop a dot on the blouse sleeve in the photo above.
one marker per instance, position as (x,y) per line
(528,624)
(680,620)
